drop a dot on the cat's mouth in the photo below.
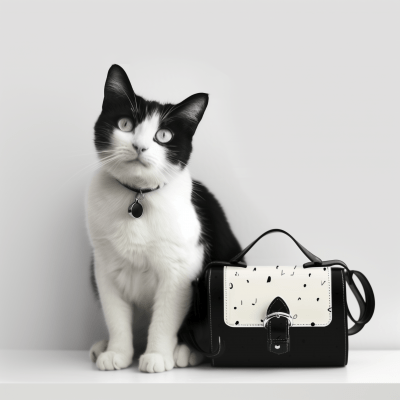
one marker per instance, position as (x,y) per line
(137,161)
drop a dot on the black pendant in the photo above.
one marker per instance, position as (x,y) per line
(135,210)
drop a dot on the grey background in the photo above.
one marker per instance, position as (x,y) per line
(301,133)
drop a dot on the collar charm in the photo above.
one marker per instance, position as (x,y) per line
(136,209)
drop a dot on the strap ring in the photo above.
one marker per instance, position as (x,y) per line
(277,315)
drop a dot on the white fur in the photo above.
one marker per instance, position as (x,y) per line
(143,267)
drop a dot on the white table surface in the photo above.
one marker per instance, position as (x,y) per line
(60,373)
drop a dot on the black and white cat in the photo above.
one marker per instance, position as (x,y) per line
(143,267)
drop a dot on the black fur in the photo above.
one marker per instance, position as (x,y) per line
(216,234)
(220,244)
(93,279)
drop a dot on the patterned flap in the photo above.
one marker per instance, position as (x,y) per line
(249,291)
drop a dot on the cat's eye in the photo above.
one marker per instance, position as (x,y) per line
(125,124)
(163,136)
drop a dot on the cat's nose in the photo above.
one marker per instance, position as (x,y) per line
(139,149)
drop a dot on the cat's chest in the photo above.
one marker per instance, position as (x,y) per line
(136,285)
(167,222)
(161,221)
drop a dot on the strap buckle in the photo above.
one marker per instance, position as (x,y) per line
(268,318)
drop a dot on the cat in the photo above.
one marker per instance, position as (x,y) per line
(143,267)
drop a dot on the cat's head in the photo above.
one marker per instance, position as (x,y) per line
(144,143)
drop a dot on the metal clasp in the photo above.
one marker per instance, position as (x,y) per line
(140,196)
(277,315)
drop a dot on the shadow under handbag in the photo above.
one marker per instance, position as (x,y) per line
(278,316)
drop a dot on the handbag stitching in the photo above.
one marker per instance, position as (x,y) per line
(260,325)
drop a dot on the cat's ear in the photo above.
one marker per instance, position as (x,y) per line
(191,109)
(118,88)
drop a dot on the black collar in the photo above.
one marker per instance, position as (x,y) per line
(137,190)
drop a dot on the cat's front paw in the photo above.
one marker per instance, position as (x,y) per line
(155,362)
(184,356)
(97,349)
(110,361)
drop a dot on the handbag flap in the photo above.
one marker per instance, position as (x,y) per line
(249,291)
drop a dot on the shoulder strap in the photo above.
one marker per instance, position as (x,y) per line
(367,306)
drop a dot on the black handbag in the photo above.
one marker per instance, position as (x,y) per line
(275,316)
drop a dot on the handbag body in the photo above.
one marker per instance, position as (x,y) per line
(275,316)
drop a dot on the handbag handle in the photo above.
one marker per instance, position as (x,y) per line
(314,259)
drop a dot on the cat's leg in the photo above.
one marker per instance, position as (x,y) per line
(118,316)
(185,356)
(172,302)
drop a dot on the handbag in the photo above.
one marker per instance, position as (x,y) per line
(276,316)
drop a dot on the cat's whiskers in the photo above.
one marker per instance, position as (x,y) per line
(110,162)
(172,158)
(116,165)
(96,165)
(196,194)
(153,162)
(104,161)
(103,158)
(196,183)
(168,171)
(91,154)
(165,170)
(194,189)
